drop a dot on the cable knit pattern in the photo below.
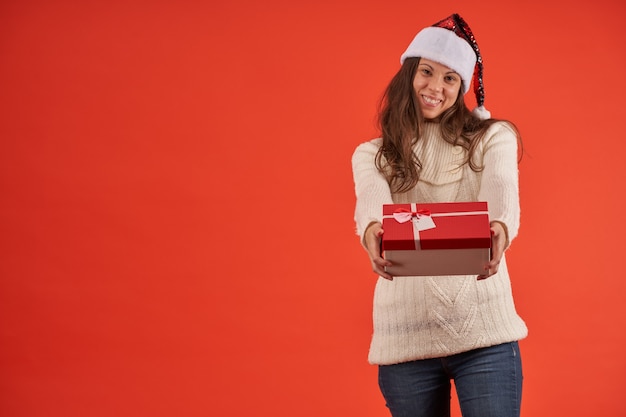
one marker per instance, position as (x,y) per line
(426,317)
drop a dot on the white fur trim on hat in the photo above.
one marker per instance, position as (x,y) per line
(447,48)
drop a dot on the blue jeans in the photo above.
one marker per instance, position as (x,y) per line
(488,382)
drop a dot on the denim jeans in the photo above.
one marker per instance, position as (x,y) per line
(488,382)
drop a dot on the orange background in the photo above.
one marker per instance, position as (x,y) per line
(176,201)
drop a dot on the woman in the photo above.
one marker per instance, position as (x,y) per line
(431,330)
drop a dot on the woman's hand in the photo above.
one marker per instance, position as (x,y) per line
(499,242)
(371,241)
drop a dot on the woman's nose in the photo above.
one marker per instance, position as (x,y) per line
(435,84)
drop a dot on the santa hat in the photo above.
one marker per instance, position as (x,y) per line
(451,43)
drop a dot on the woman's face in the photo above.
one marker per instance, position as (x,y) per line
(436,87)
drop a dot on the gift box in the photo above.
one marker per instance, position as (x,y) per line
(436,238)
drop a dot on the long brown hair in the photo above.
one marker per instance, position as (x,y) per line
(400,120)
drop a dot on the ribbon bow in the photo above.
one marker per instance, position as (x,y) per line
(403,215)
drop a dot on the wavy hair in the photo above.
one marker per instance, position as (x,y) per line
(401,122)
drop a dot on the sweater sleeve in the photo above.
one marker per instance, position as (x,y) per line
(499,184)
(371,187)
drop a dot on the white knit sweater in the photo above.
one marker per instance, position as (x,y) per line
(426,317)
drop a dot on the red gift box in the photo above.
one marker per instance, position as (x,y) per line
(436,238)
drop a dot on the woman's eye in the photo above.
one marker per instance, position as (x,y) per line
(451,78)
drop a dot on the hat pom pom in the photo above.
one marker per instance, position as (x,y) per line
(482,113)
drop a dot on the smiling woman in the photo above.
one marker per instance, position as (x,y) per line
(431,330)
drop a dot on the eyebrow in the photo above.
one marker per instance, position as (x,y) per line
(431,67)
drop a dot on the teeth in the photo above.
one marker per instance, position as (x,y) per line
(430,100)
